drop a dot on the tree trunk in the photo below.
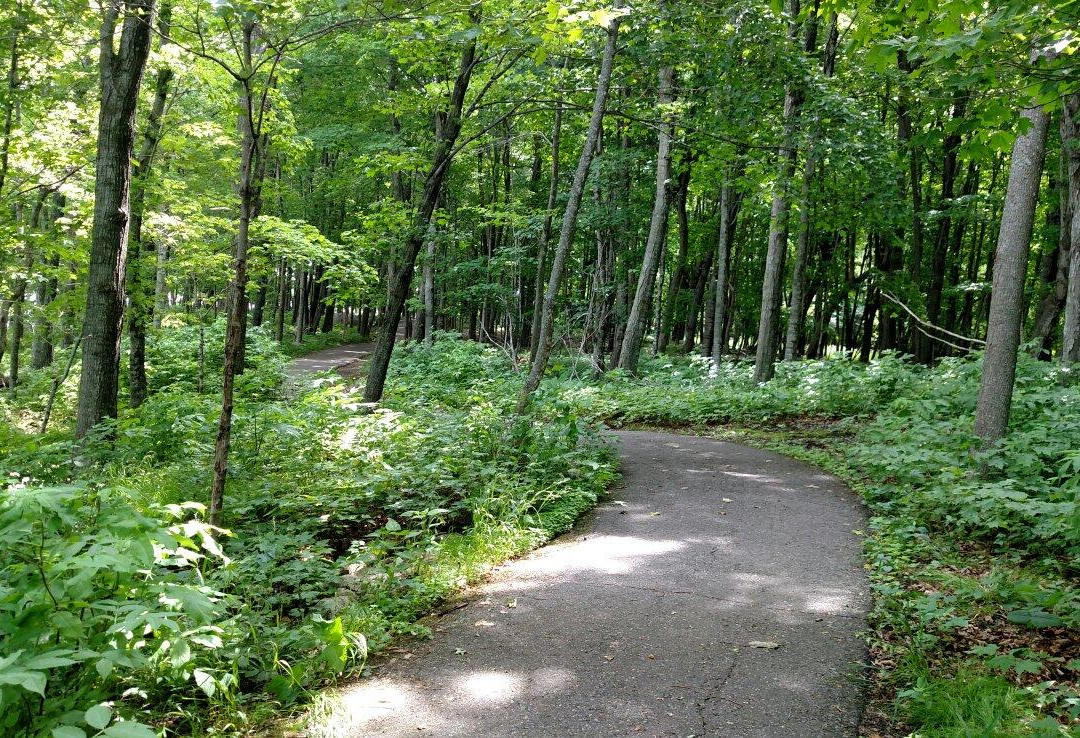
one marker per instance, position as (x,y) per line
(675,285)
(570,215)
(635,323)
(236,314)
(545,231)
(42,350)
(1070,352)
(925,352)
(444,153)
(1010,269)
(797,310)
(729,212)
(773,280)
(429,286)
(121,72)
(12,86)
(138,295)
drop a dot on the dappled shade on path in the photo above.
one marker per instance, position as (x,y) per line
(640,622)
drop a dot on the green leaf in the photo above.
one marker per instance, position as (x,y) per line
(129,729)
(1035,617)
(98,716)
(68,731)
(31,681)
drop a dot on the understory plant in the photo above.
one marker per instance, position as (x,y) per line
(124,614)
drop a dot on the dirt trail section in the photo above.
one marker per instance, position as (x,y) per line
(345,358)
(718,592)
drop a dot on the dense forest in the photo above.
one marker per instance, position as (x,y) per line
(849,231)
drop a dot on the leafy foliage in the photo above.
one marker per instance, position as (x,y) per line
(346,525)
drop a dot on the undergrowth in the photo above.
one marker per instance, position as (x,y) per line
(123,613)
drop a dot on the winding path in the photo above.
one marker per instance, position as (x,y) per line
(640,622)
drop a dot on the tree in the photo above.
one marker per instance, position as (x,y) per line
(635,323)
(772,282)
(570,215)
(1010,271)
(121,71)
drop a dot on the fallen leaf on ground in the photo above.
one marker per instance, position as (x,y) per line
(767,645)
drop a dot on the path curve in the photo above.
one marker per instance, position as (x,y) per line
(639,622)
(326,359)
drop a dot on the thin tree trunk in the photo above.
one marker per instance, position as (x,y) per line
(429,286)
(136,287)
(236,315)
(797,311)
(729,210)
(773,280)
(545,231)
(433,183)
(42,350)
(570,215)
(1070,353)
(675,284)
(635,323)
(12,86)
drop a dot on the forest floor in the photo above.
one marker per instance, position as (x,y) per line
(719,590)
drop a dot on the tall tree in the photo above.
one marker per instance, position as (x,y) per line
(446,141)
(1010,271)
(773,280)
(635,322)
(120,74)
(137,282)
(570,215)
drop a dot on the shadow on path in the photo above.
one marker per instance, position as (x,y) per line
(639,622)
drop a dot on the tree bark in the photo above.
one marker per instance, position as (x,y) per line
(138,293)
(675,284)
(729,212)
(1010,270)
(444,152)
(570,215)
(545,231)
(635,323)
(1070,352)
(797,309)
(236,314)
(12,86)
(121,72)
(773,281)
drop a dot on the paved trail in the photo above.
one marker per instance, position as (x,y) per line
(327,359)
(639,622)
